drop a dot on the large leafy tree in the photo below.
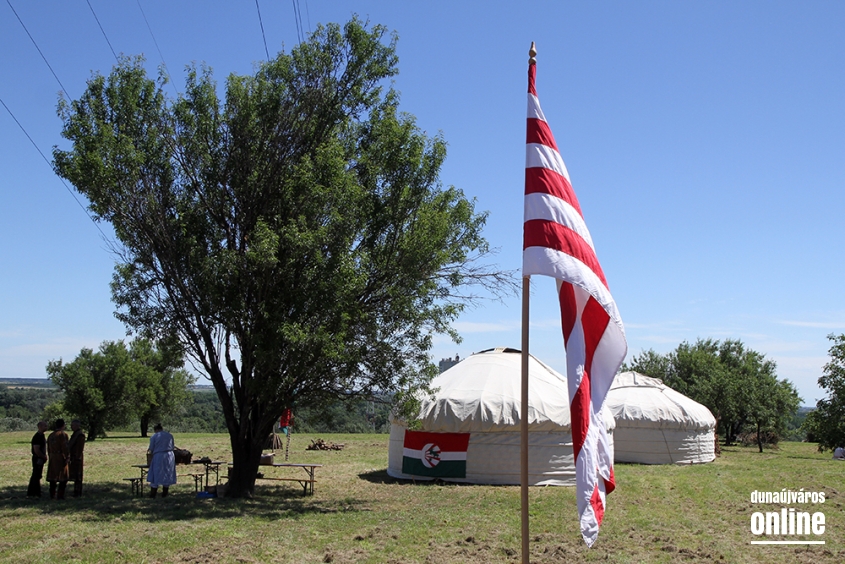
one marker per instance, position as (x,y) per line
(738,385)
(162,384)
(294,235)
(118,384)
(826,424)
(99,387)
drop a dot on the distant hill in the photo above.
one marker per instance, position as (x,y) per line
(27,382)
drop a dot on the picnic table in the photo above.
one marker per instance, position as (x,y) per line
(307,482)
(137,483)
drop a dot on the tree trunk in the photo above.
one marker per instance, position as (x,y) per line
(759,438)
(92,431)
(245,458)
(145,424)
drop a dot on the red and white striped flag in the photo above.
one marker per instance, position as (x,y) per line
(557,243)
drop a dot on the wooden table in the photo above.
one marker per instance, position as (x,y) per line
(307,483)
(137,484)
(211,466)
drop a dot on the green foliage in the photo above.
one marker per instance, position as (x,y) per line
(300,222)
(117,385)
(161,383)
(826,424)
(27,404)
(358,416)
(738,385)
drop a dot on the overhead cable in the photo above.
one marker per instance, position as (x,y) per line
(267,51)
(104,31)
(298,20)
(51,166)
(39,49)
(163,62)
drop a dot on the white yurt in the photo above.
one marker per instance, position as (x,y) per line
(657,425)
(481,396)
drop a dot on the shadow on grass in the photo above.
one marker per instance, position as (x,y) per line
(109,501)
(382,477)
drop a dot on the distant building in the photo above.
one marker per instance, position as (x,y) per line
(447,363)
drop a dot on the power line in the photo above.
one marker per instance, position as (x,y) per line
(51,166)
(297,18)
(39,50)
(104,31)
(262,29)
(169,78)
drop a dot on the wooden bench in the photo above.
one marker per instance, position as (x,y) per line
(307,485)
(197,476)
(135,484)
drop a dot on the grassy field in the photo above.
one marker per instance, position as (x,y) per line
(359,514)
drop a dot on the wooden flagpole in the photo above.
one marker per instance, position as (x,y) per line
(523,421)
(523,415)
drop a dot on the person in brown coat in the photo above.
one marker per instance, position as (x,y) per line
(76,446)
(58,454)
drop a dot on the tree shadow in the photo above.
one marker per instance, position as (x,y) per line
(114,502)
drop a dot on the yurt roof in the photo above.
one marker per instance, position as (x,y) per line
(638,400)
(482,393)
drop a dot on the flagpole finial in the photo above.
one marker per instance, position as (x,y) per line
(532,54)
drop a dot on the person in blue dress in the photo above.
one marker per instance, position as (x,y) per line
(162,471)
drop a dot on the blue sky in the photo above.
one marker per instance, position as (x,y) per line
(705,141)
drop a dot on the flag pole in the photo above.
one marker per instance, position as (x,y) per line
(523,422)
(523,417)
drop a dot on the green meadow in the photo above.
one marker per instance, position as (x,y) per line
(359,514)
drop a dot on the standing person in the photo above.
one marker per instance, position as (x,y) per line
(38,446)
(58,454)
(162,464)
(76,446)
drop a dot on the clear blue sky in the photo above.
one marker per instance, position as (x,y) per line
(705,141)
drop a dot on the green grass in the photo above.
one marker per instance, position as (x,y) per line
(358,514)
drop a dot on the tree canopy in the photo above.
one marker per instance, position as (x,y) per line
(117,385)
(295,234)
(738,385)
(826,425)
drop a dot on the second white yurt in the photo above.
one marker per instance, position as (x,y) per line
(657,425)
(480,397)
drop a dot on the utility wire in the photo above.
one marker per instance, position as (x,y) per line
(39,50)
(166,70)
(298,20)
(307,16)
(104,31)
(262,30)
(51,166)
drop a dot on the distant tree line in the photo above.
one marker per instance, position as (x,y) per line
(738,385)
(199,412)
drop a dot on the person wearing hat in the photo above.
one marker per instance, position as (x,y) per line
(163,463)
(58,455)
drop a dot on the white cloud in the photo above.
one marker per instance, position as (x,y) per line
(476,327)
(814,324)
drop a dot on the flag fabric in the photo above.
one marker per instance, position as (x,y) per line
(436,455)
(556,243)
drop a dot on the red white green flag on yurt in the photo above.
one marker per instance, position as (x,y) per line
(436,455)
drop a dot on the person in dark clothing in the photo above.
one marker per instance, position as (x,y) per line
(76,446)
(38,446)
(58,454)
